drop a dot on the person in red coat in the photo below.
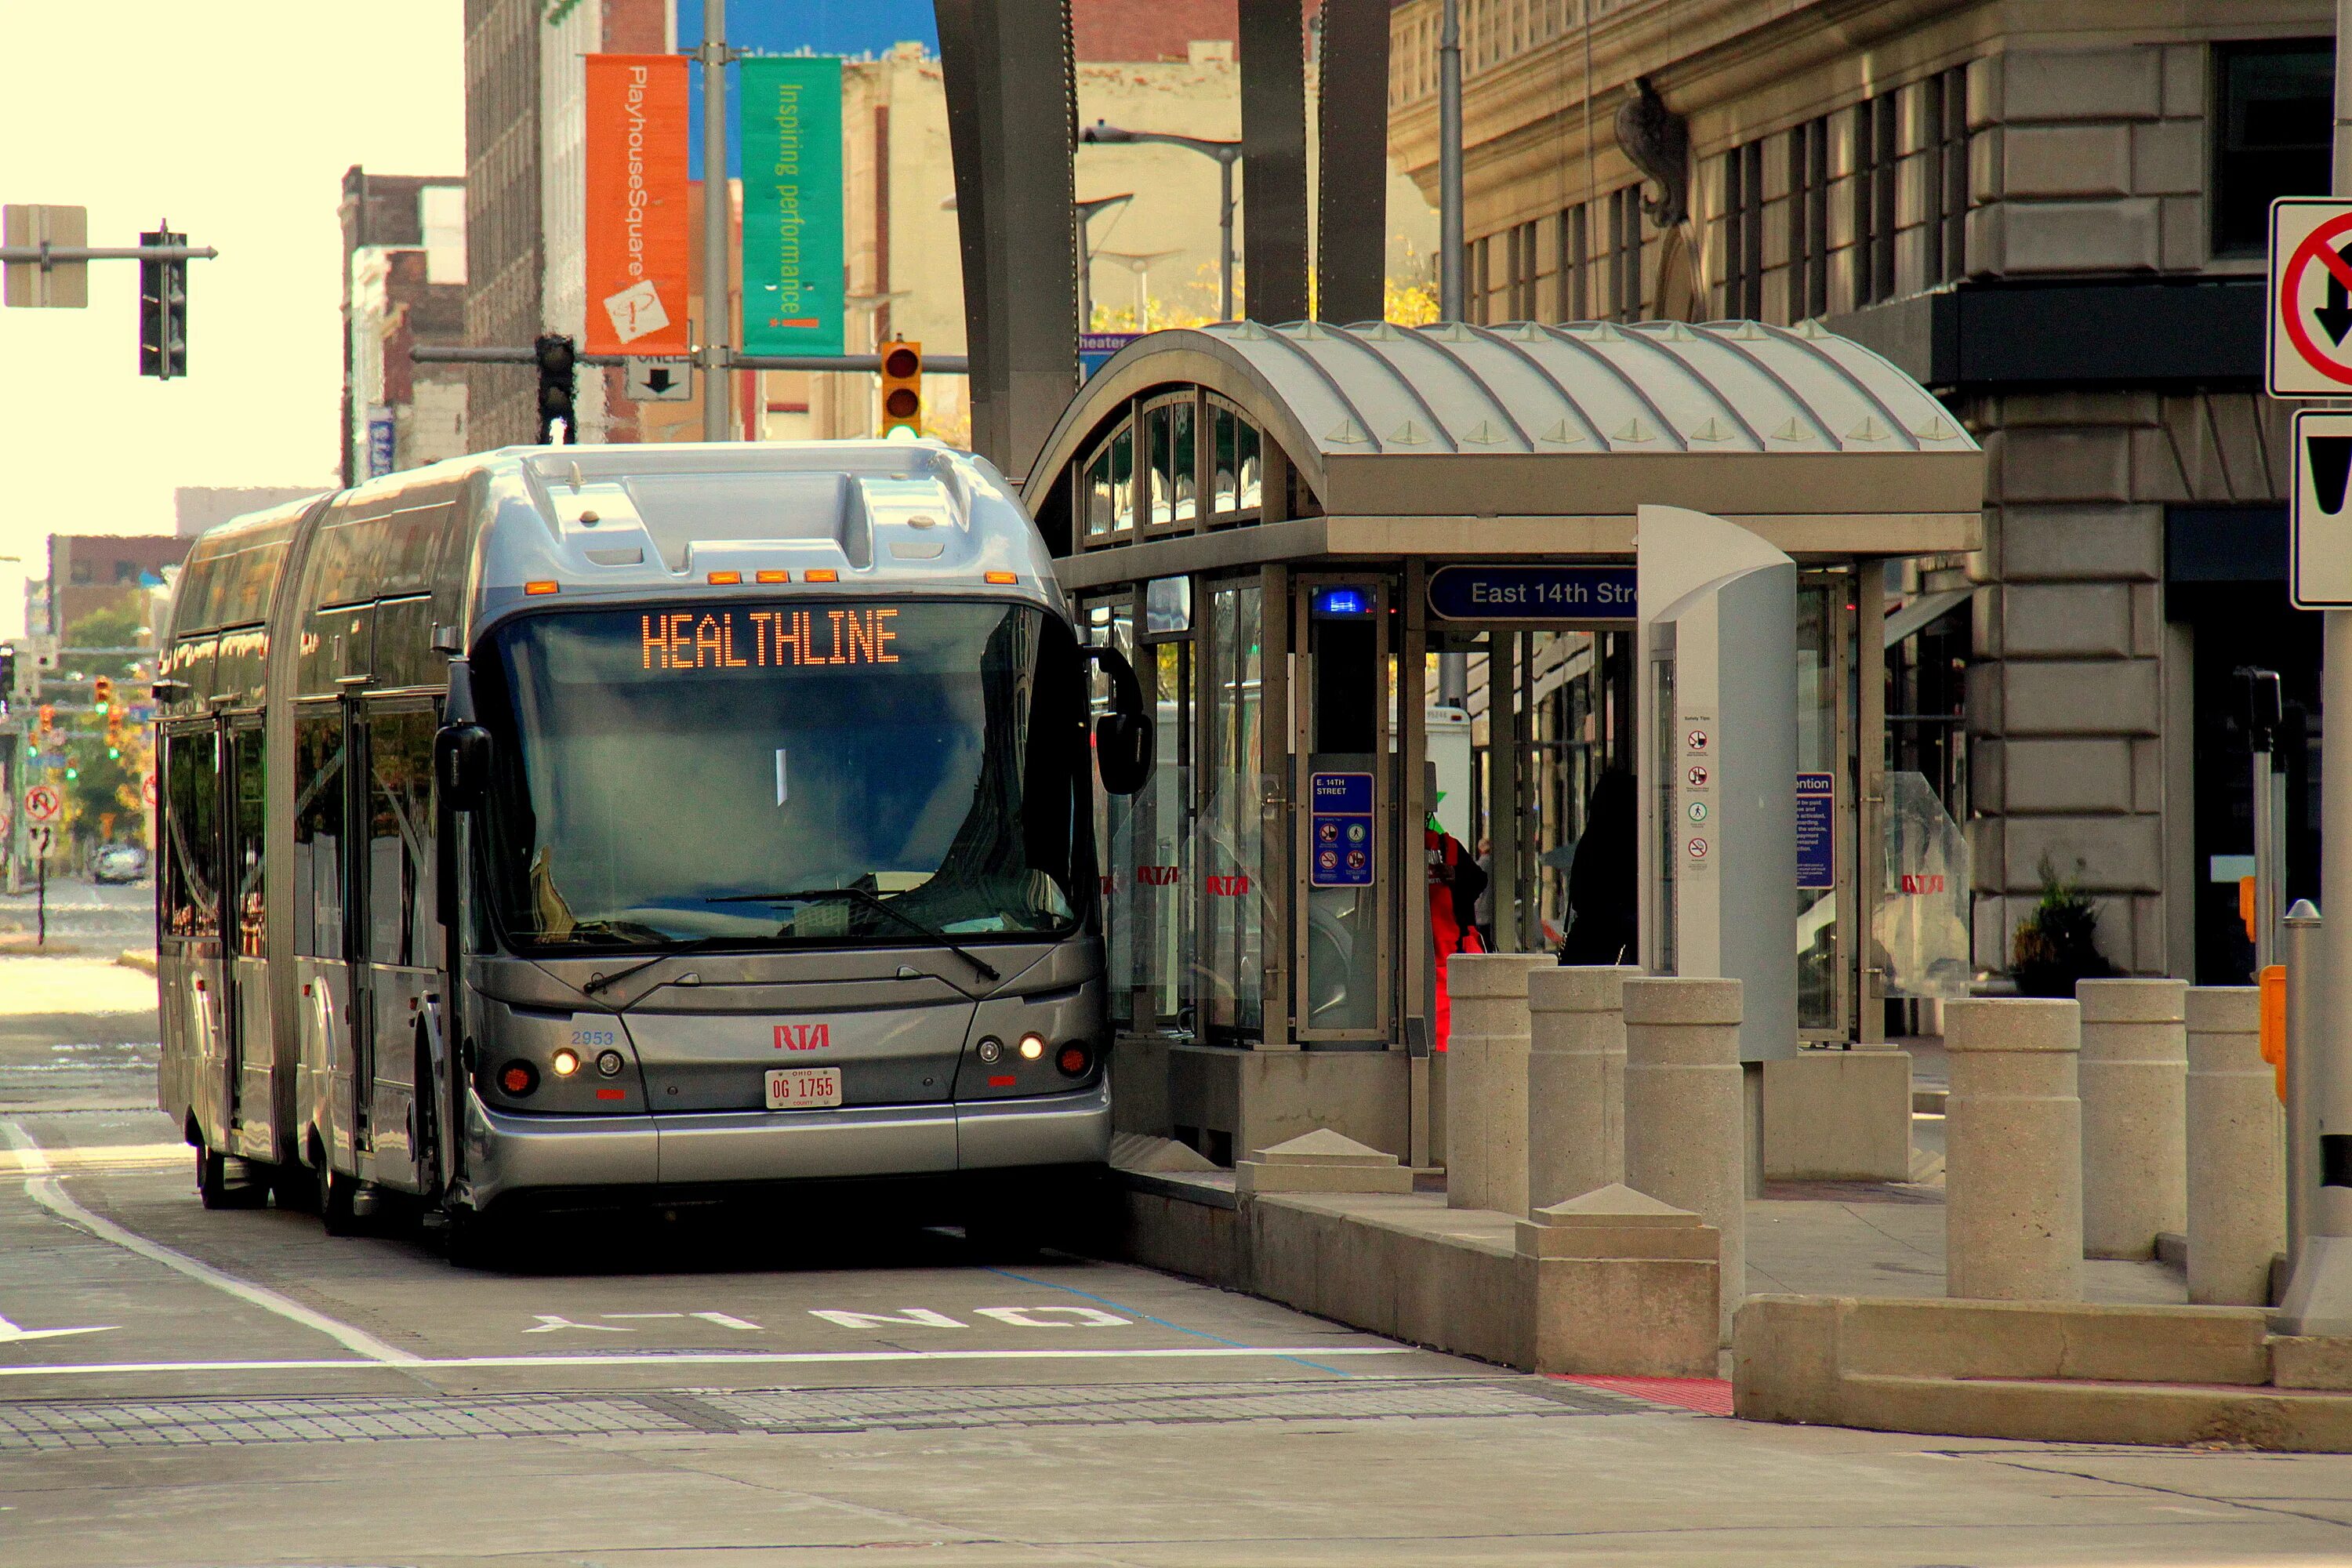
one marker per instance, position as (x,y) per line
(1455,883)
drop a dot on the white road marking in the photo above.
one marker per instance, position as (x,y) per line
(905,1317)
(548,1322)
(42,1185)
(726,1321)
(1046,1317)
(96,1157)
(710,1358)
(10,1332)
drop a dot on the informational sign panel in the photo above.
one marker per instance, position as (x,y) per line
(1816,834)
(637,229)
(380,433)
(1514,592)
(2308,328)
(2319,554)
(659,380)
(43,804)
(1339,841)
(791,206)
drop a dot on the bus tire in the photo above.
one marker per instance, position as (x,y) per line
(471,1239)
(215,1191)
(337,1212)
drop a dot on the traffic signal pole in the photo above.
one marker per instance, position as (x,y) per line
(716,421)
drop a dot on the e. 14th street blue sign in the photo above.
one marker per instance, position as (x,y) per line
(1532,593)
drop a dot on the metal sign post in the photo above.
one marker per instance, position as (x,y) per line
(41,886)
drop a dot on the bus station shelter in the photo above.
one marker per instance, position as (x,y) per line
(1381,580)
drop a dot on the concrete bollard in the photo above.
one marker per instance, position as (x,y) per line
(2237,1150)
(2135,1088)
(1685,1111)
(1487,1080)
(2013,1151)
(1576,1081)
(1624,1286)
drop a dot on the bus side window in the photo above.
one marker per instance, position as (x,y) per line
(319,830)
(400,837)
(192,821)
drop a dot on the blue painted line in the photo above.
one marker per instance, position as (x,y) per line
(1178,1328)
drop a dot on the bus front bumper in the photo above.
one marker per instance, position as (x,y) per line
(508,1154)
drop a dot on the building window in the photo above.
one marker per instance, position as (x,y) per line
(1474,281)
(1523,281)
(1572,302)
(1809,220)
(79,574)
(1872,193)
(1945,207)
(2274,107)
(1623,260)
(1743,232)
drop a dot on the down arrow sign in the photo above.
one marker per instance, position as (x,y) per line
(2335,317)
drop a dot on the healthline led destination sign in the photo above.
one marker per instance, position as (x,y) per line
(766,640)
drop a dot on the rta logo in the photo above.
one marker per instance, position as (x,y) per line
(803,1037)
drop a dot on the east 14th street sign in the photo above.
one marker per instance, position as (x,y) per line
(2307,332)
(2320,520)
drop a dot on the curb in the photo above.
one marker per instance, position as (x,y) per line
(142,959)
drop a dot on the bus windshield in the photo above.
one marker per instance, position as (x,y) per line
(787,773)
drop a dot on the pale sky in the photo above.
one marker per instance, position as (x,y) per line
(236,119)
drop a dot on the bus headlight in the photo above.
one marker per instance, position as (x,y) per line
(1032,1046)
(991,1049)
(610,1063)
(566,1062)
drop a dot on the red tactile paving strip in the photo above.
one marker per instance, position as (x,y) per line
(1707,1396)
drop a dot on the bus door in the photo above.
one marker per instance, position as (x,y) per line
(249,1062)
(191,995)
(393,924)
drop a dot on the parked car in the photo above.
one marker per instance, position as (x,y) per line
(118,863)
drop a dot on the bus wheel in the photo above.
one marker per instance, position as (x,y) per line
(469,1237)
(216,1191)
(336,1210)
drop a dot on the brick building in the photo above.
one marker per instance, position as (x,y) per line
(90,571)
(404,284)
(2053,216)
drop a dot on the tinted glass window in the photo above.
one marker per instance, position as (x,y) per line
(2275,104)
(192,834)
(245,843)
(318,831)
(400,837)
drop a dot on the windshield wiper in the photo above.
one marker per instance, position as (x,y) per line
(599,982)
(872,901)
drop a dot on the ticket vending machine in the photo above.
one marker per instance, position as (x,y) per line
(1717,771)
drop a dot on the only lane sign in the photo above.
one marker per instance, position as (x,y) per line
(2308,330)
(2320,552)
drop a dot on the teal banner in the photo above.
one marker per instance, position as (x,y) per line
(792,271)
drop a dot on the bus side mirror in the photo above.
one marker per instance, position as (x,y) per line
(461,756)
(1123,736)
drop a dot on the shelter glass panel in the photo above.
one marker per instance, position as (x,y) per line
(1232,828)
(1818,752)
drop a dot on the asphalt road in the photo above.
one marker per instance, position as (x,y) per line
(780,1383)
(83,916)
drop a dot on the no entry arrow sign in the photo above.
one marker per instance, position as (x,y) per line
(2308,332)
(2320,557)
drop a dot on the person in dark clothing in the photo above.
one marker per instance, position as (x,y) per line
(1602,878)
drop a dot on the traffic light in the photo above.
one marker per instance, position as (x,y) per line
(101,691)
(163,310)
(7,673)
(558,380)
(902,387)
(49,716)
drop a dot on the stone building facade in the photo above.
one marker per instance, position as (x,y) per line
(2052,215)
(404,285)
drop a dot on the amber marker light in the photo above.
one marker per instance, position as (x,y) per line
(820,574)
(772,577)
(536,588)
(1004,577)
(726,577)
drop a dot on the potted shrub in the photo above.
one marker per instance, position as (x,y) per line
(2057,944)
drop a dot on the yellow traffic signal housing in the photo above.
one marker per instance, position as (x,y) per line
(902,386)
(49,720)
(102,689)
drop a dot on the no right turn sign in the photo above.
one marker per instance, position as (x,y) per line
(2308,332)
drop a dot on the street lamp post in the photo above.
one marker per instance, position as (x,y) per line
(1139,263)
(1087,211)
(1226,154)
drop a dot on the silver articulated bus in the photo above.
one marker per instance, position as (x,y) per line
(564,825)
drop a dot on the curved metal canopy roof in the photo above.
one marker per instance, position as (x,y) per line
(1592,390)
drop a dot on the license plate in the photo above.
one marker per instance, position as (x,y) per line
(802,1088)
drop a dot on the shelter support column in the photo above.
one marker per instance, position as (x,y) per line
(1277,829)
(1416,955)
(1503,782)
(1867,984)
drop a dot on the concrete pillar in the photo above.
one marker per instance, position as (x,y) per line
(2135,1088)
(2237,1150)
(1576,1081)
(1624,1286)
(1686,1112)
(1487,1080)
(2013,1151)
